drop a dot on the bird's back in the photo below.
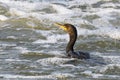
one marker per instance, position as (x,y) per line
(79,55)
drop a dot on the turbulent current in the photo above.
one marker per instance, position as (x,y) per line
(33,48)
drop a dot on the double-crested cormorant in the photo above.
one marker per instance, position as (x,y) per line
(71,30)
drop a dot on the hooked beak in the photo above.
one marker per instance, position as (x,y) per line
(61,26)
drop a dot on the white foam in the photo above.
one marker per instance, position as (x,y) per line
(100,76)
(11,37)
(54,60)
(52,17)
(16,12)
(56,53)
(90,73)
(51,39)
(69,66)
(32,24)
(3,18)
(115,34)
(87,72)
(81,2)
(21,5)
(109,5)
(62,10)
(109,31)
(6,45)
(102,31)
(62,75)
(27,77)
(32,9)
(20,9)
(112,59)
(44,33)
(53,76)
(16,60)
(22,49)
(109,67)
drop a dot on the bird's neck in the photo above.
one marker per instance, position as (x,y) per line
(73,37)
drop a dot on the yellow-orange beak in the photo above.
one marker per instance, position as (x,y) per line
(61,26)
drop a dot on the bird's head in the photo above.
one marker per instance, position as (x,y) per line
(67,27)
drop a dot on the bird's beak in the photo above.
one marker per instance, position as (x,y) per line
(61,26)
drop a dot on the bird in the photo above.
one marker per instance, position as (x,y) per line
(72,31)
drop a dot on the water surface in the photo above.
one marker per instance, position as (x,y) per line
(32,47)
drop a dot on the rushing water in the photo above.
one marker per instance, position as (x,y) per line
(33,48)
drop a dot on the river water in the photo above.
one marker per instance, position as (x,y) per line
(33,48)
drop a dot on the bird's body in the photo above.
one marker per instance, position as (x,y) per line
(71,30)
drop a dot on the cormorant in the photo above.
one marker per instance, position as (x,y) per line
(71,30)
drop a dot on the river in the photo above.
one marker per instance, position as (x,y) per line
(33,48)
